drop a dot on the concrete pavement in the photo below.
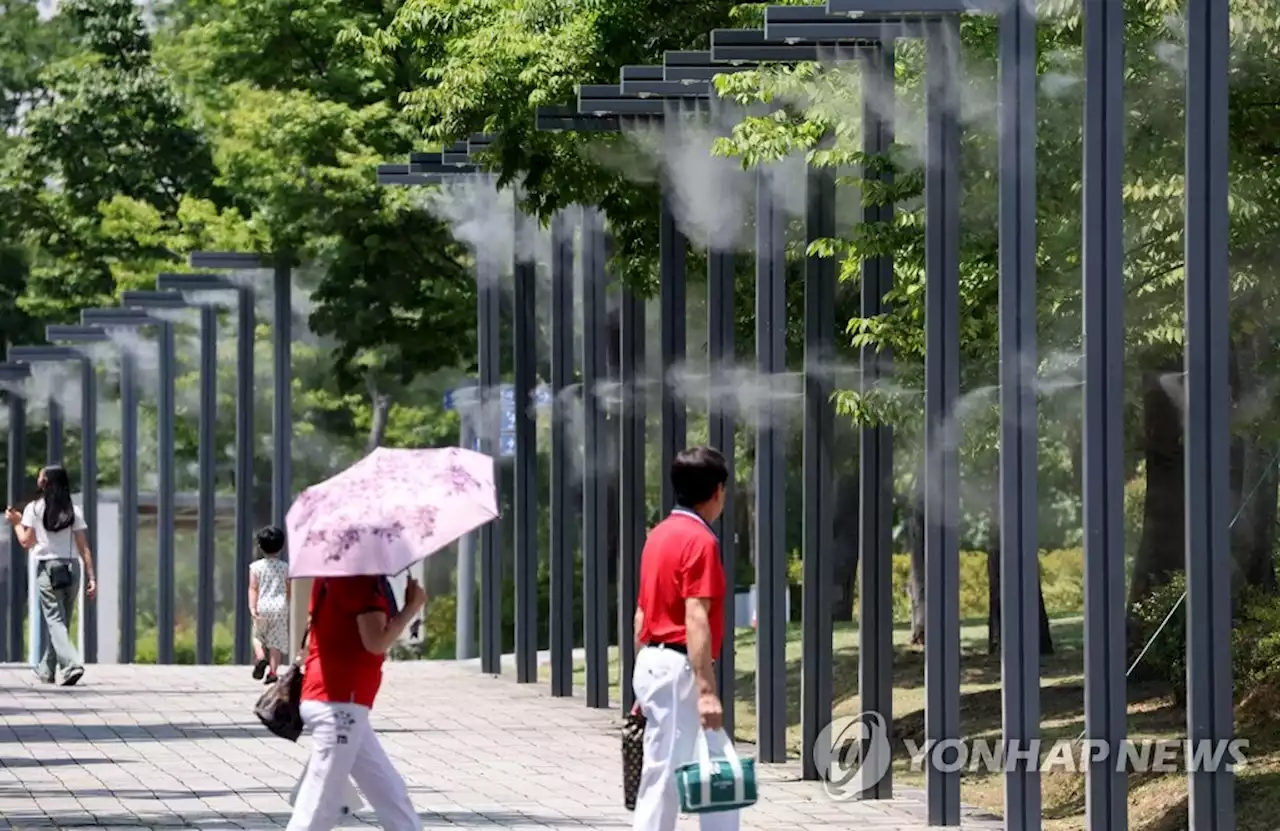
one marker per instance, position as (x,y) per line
(179,747)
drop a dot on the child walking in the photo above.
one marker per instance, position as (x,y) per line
(269,604)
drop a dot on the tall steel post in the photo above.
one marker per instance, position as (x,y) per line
(54,447)
(771,472)
(55,439)
(206,555)
(942,391)
(1019,549)
(875,453)
(465,641)
(525,496)
(819,429)
(282,405)
(1105,698)
(128,506)
(89,493)
(721,331)
(17,498)
(1211,802)
(166,520)
(596,463)
(632,508)
(488,307)
(245,325)
(562,538)
(671,288)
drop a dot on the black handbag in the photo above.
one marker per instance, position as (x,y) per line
(633,725)
(279,708)
(60,575)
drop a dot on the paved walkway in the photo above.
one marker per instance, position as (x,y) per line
(178,747)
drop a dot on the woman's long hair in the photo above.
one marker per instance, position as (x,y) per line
(59,512)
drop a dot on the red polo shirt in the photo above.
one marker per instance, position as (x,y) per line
(681,559)
(338,669)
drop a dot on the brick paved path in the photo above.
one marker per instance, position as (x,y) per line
(178,747)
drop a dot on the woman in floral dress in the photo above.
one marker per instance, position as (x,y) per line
(269,604)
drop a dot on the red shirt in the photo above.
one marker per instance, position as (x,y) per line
(338,668)
(681,559)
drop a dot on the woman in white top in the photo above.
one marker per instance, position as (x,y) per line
(53,530)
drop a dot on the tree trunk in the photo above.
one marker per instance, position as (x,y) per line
(381,404)
(1046,636)
(845,559)
(1161,550)
(993,591)
(916,586)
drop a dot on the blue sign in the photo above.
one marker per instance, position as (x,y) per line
(463,396)
(506,445)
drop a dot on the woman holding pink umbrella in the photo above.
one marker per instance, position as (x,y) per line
(354,621)
(349,533)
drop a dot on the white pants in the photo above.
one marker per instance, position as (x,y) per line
(344,745)
(667,693)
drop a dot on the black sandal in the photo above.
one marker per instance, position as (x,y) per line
(258,669)
(271,679)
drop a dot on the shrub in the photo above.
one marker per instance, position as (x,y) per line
(1166,660)
(1255,651)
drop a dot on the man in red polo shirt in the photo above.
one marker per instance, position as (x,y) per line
(679,628)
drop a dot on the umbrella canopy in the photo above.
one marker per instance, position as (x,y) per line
(389,510)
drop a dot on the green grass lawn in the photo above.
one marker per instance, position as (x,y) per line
(1157,802)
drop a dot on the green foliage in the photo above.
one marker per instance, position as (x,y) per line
(184,645)
(1255,656)
(1166,660)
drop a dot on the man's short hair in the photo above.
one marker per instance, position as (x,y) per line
(696,474)
(270,539)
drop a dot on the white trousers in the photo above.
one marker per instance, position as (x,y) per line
(667,693)
(343,745)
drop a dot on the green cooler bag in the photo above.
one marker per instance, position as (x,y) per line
(716,783)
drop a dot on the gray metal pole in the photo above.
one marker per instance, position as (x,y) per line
(595,494)
(1019,549)
(1105,699)
(465,642)
(54,450)
(245,325)
(819,427)
(671,279)
(632,508)
(942,390)
(721,326)
(89,492)
(17,498)
(771,509)
(53,456)
(206,555)
(128,507)
(562,542)
(488,304)
(875,453)
(1211,802)
(166,520)
(525,496)
(282,406)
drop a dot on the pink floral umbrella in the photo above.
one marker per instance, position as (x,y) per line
(389,510)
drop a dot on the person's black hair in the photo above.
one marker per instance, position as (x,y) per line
(270,540)
(59,512)
(696,474)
